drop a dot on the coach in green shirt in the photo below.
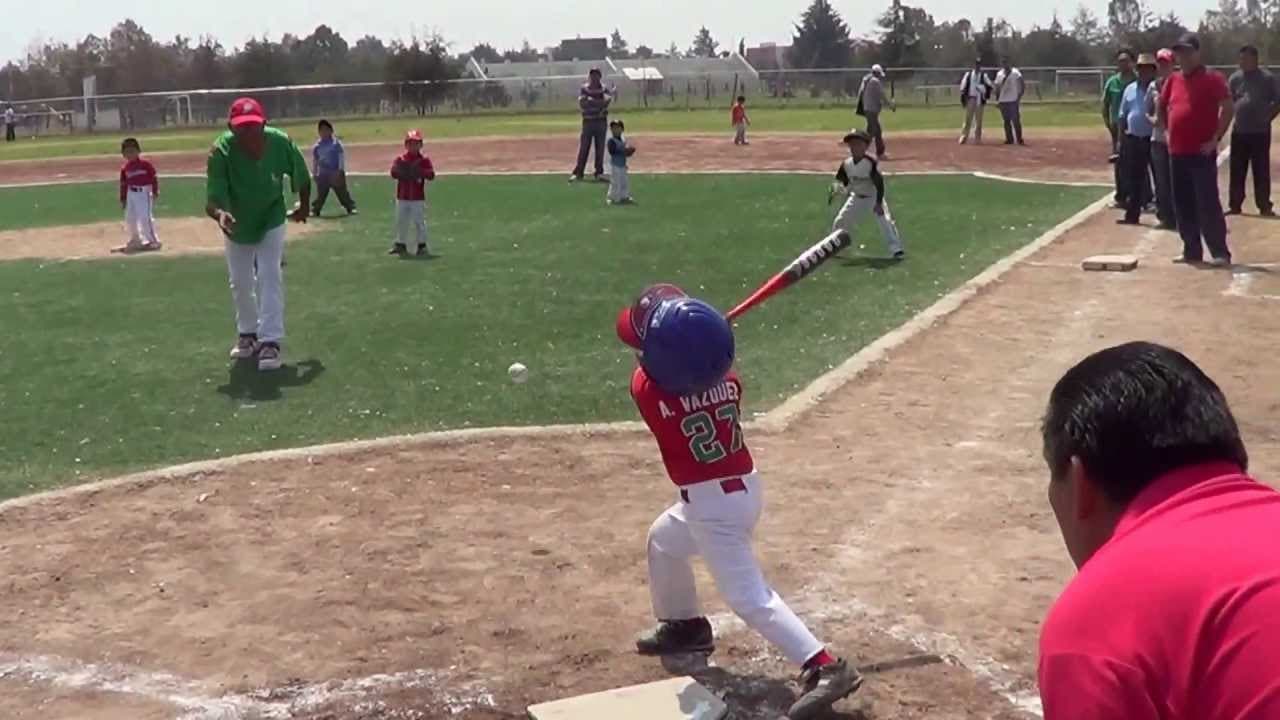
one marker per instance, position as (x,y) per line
(1112,92)
(245,188)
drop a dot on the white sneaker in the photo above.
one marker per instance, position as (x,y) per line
(269,357)
(246,346)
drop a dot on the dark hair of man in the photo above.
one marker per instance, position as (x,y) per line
(1135,412)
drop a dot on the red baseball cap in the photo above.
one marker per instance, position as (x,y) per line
(246,111)
(1165,55)
(633,318)
(413,136)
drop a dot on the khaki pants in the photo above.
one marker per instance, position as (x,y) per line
(972,120)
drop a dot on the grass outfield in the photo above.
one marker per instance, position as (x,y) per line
(123,361)
(800,119)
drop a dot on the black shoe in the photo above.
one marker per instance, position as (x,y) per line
(601,178)
(422,251)
(900,255)
(1126,221)
(1167,226)
(1234,211)
(398,249)
(677,637)
(823,687)
(353,211)
(1269,212)
(1021,142)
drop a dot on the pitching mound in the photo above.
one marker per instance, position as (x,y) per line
(181,236)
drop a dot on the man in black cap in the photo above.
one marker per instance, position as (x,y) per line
(593,101)
(1195,105)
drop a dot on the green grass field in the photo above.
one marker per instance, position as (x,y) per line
(122,362)
(798,119)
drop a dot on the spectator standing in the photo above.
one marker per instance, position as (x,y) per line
(1172,615)
(10,124)
(1010,87)
(1112,93)
(1195,105)
(975,91)
(1160,144)
(871,102)
(593,100)
(1137,136)
(1256,94)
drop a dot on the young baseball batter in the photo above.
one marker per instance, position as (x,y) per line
(619,181)
(740,121)
(859,177)
(412,172)
(139,187)
(691,399)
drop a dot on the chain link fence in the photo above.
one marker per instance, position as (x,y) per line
(636,87)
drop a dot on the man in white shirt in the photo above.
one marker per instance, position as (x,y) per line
(1010,87)
(975,91)
(10,124)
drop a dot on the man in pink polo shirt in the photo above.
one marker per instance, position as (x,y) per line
(1175,611)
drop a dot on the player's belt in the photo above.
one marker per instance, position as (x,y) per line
(730,486)
(144,188)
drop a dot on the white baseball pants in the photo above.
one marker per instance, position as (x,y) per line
(740,133)
(411,222)
(619,185)
(137,217)
(858,207)
(972,120)
(257,285)
(720,527)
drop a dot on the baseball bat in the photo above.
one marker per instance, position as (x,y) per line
(797,270)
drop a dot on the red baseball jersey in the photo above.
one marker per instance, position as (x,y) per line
(699,436)
(739,114)
(138,173)
(414,189)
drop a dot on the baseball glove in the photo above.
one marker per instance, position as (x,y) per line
(833,190)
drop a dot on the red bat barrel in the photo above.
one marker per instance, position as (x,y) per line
(801,267)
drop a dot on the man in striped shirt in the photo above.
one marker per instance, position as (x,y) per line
(593,100)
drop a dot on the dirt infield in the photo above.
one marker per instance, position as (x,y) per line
(98,241)
(907,515)
(1071,156)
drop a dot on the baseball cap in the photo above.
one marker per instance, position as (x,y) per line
(633,318)
(877,69)
(1165,55)
(1188,41)
(856,134)
(1146,59)
(246,111)
(413,136)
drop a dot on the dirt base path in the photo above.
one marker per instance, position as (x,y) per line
(1065,156)
(99,241)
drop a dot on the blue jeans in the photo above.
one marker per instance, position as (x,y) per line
(1196,203)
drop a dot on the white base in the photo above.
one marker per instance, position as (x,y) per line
(674,699)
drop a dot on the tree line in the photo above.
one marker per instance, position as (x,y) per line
(128,59)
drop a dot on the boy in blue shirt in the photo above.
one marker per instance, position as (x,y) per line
(329,167)
(619,151)
(1137,130)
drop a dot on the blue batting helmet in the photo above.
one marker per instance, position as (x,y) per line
(687,346)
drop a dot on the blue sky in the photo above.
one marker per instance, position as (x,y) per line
(501,22)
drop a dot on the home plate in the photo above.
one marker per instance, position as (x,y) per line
(1110,263)
(674,699)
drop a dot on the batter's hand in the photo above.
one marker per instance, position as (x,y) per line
(226,222)
(299,214)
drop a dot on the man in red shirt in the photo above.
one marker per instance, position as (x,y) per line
(1195,105)
(1175,611)
(690,399)
(412,171)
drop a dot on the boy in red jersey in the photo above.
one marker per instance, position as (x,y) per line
(412,172)
(690,398)
(139,187)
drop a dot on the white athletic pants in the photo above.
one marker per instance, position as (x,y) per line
(137,217)
(856,208)
(740,133)
(411,222)
(719,527)
(257,285)
(619,185)
(972,120)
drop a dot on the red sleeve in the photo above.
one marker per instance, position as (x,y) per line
(1077,686)
(124,185)
(428,171)
(155,179)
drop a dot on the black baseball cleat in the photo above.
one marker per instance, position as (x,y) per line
(423,252)
(398,249)
(900,255)
(823,687)
(677,637)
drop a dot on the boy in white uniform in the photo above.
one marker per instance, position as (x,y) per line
(859,178)
(619,181)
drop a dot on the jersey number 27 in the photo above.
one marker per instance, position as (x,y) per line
(700,428)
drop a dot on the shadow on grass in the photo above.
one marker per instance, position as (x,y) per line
(246,382)
(870,263)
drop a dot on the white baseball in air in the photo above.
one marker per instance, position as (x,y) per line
(518,372)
